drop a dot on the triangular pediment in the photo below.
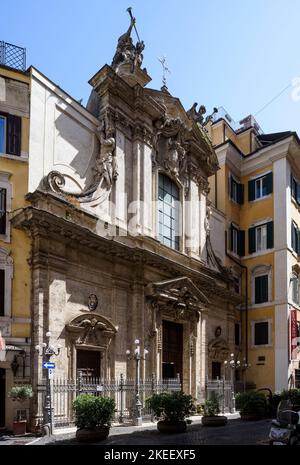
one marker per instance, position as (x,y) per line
(181,289)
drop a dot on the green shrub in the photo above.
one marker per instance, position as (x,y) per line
(171,406)
(251,402)
(21,392)
(291,394)
(92,411)
(212,405)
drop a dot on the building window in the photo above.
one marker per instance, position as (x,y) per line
(261,289)
(2,134)
(295,190)
(261,237)
(236,190)
(261,284)
(237,241)
(237,338)
(295,288)
(261,333)
(260,187)
(2,210)
(295,238)
(168,212)
(10,134)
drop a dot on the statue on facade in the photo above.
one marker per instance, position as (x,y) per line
(126,51)
(106,165)
(197,116)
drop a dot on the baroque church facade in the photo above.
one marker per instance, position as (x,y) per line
(118,218)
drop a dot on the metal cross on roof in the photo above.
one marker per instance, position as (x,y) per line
(165,68)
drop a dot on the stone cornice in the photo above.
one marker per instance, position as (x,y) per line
(66,222)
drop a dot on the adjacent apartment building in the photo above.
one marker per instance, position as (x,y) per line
(15,277)
(256,196)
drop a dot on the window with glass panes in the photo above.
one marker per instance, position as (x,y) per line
(2,134)
(168,212)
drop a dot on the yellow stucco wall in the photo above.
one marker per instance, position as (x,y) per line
(19,246)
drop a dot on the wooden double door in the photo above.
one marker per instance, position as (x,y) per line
(172,350)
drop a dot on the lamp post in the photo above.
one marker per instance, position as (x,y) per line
(47,350)
(233,365)
(244,367)
(138,420)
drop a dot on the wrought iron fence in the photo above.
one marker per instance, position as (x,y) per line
(12,56)
(221,387)
(122,390)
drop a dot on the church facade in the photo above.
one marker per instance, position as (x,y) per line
(118,219)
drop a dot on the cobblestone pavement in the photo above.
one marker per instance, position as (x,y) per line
(236,432)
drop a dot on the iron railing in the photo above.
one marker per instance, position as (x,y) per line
(122,390)
(12,56)
(221,387)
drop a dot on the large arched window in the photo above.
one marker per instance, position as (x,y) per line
(168,212)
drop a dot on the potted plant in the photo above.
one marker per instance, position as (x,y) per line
(93,417)
(293,395)
(252,405)
(211,415)
(20,393)
(171,410)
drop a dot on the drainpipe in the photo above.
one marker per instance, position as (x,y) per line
(246,295)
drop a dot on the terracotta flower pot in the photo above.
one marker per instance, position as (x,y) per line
(92,435)
(19,427)
(169,427)
(217,420)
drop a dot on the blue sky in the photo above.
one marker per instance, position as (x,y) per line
(231,53)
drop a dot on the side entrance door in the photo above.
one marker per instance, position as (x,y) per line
(172,350)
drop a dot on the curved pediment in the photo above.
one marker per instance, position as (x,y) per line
(91,330)
(181,289)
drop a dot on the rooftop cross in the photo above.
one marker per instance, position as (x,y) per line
(165,68)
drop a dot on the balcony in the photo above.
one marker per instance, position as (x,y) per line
(12,56)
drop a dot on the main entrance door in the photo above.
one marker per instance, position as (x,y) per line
(2,397)
(88,362)
(172,350)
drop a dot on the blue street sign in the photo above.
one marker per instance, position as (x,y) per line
(48,365)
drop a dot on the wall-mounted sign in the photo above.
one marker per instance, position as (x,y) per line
(293,334)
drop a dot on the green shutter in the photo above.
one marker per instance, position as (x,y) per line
(297,234)
(269,183)
(293,187)
(293,239)
(251,190)
(13,134)
(231,238)
(251,239)
(297,189)
(270,239)
(2,293)
(241,243)
(240,194)
(230,187)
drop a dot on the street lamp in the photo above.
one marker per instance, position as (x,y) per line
(137,357)
(233,365)
(47,350)
(244,367)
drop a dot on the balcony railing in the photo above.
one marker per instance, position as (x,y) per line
(12,56)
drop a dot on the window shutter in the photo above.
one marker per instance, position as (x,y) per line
(297,189)
(293,188)
(13,144)
(251,238)
(261,289)
(293,230)
(251,190)
(2,287)
(270,240)
(230,187)
(2,211)
(269,183)
(240,194)
(231,238)
(241,243)
(297,241)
